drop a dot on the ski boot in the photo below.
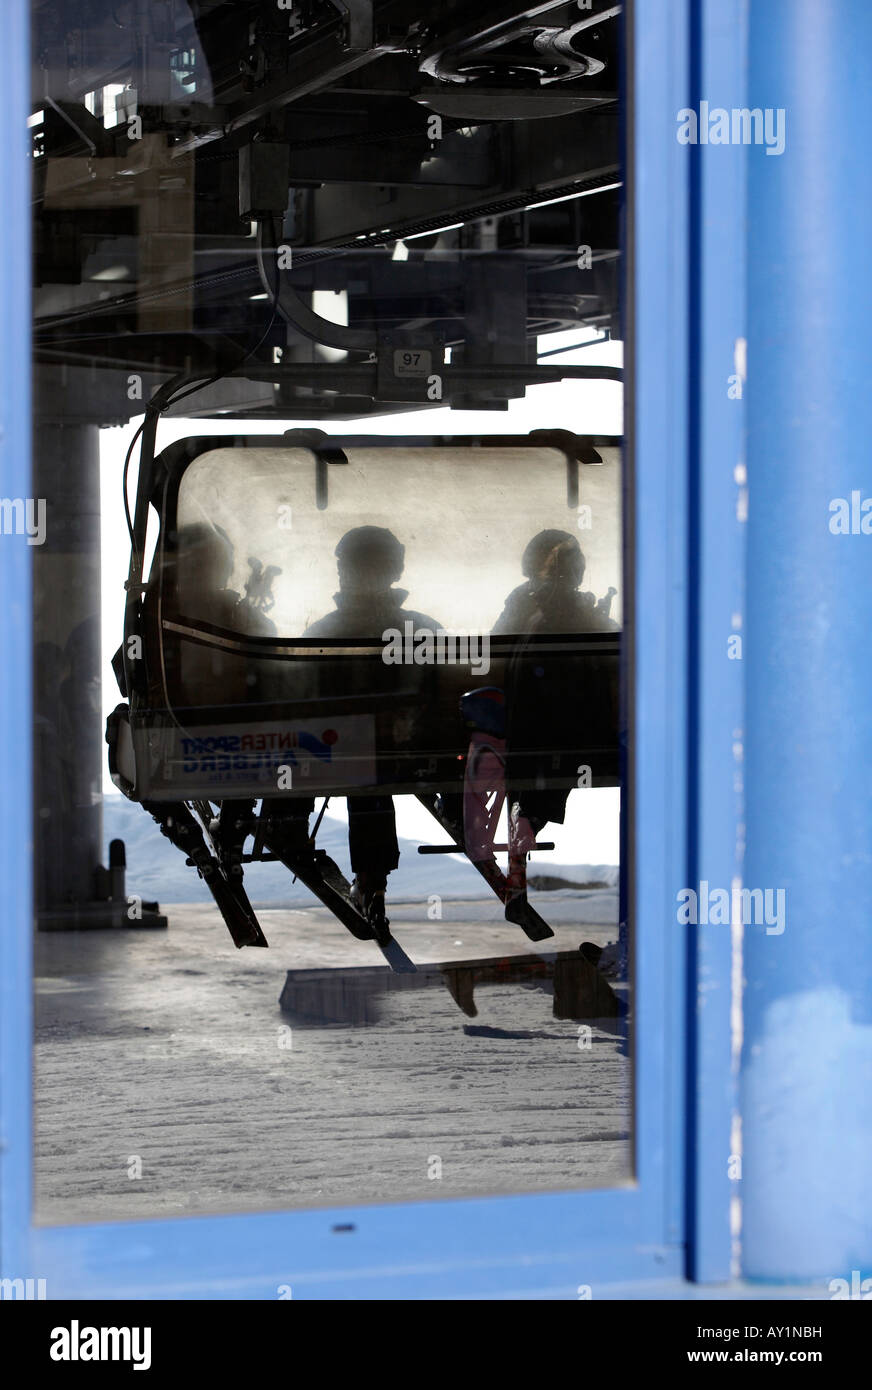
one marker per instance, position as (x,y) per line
(368,896)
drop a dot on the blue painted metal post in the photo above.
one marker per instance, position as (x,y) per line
(716,599)
(15,643)
(807,1070)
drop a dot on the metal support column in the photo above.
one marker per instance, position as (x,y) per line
(807,1069)
(69,747)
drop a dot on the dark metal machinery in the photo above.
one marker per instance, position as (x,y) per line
(204,171)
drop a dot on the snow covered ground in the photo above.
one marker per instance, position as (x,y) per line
(166,1054)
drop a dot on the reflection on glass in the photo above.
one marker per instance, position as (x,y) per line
(362,705)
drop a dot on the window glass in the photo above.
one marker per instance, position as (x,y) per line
(345,681)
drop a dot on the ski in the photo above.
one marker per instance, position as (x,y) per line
(518,910)
(193,837)
(323,877)
(400,963)
(232,902)
(227,887)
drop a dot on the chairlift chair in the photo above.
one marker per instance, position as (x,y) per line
(236,714)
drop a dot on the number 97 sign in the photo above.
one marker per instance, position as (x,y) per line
(412,362)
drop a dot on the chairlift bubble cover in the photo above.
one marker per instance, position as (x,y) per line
(273,664)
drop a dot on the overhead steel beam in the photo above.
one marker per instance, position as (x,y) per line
(580,150)
(322,62)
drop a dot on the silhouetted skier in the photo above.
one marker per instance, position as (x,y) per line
(553,698)
(557,601)
(369,560)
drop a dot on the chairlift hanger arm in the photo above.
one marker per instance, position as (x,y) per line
(293,309)
(134,586)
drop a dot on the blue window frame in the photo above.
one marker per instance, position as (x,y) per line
(685,310)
